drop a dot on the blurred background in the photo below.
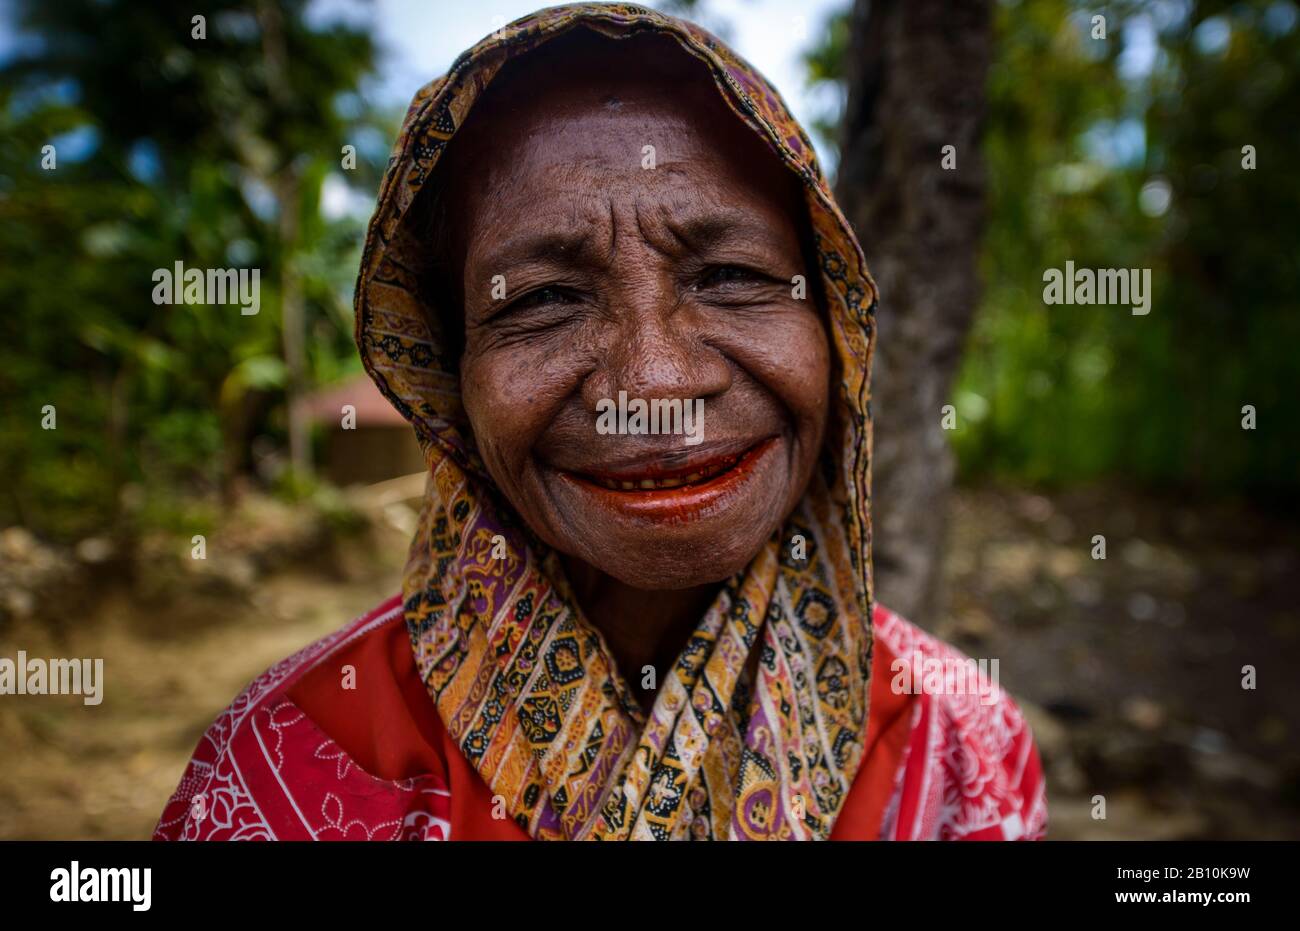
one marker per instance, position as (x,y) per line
(1112,143)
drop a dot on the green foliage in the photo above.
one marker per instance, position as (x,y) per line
(169,148)
(1077,128)
(1076,392)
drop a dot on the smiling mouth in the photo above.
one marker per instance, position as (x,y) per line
(659,479)
(674,494)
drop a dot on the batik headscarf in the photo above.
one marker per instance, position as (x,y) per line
(758,730)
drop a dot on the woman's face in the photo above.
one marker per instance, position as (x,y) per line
(670,283)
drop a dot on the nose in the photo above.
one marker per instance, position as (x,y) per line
(655,347)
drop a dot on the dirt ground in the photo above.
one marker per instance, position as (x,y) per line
(1129,668)
(69,774)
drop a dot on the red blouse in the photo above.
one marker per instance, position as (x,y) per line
(342,742)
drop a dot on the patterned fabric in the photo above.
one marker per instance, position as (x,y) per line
(970,770)
(269,769)
(758,732)
(265,771)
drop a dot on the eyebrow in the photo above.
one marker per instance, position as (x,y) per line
(706,230)
(557,247)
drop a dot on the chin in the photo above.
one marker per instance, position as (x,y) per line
(658,557)
(678,570)
(675,538)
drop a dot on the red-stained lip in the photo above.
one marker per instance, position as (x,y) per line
(694,467)
(673,494)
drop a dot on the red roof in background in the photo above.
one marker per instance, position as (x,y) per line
(373,409)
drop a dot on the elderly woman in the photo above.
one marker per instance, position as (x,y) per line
(607,284)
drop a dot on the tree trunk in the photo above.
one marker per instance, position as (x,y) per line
(288,196)
(916,74)
(293,321)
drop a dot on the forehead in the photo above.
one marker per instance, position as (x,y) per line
(606,120)
(628,137)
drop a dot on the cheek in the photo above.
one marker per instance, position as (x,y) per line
(787,351)
(511,397)
(805,368)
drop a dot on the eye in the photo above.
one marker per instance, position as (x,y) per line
(723,275)
(544,296)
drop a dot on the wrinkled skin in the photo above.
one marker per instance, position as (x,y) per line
(671,282)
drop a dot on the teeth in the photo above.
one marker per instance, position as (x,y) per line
(650,484)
